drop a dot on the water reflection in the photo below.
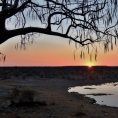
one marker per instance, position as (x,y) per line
(104,94)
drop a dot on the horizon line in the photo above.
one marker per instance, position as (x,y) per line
(65,66)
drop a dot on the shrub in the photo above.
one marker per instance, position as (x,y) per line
(23,95)
(27,95)
(41,74)
(14,93)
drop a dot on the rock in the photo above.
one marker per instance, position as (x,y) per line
(91,100)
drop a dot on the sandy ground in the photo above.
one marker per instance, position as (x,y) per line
(60,103)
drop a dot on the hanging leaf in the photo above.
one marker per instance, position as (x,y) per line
(69,41)
(111,45)
(88,49)
(95,57)
(62,29)
(81,55)
(90,57)
(74,56)
(16,46)
(4,58)
(96,50)
(81,38)
(75,45)
(58,27)
(115,41)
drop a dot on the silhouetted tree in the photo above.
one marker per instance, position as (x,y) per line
(82,21)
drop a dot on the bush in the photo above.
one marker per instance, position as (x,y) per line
(27,95)
(14,93)
(23,95)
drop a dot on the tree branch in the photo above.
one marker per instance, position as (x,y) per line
(16,10)
(7,4)
(4,4)
(24,31)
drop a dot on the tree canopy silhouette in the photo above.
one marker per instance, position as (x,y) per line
(82,21)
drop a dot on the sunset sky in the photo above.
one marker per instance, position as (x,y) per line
(51,51)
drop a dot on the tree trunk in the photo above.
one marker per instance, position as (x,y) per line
(2,27)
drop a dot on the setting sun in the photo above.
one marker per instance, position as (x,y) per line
(89,65)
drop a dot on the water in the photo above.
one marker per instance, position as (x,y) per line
(104,94)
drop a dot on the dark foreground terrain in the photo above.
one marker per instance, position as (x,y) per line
(42,92)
